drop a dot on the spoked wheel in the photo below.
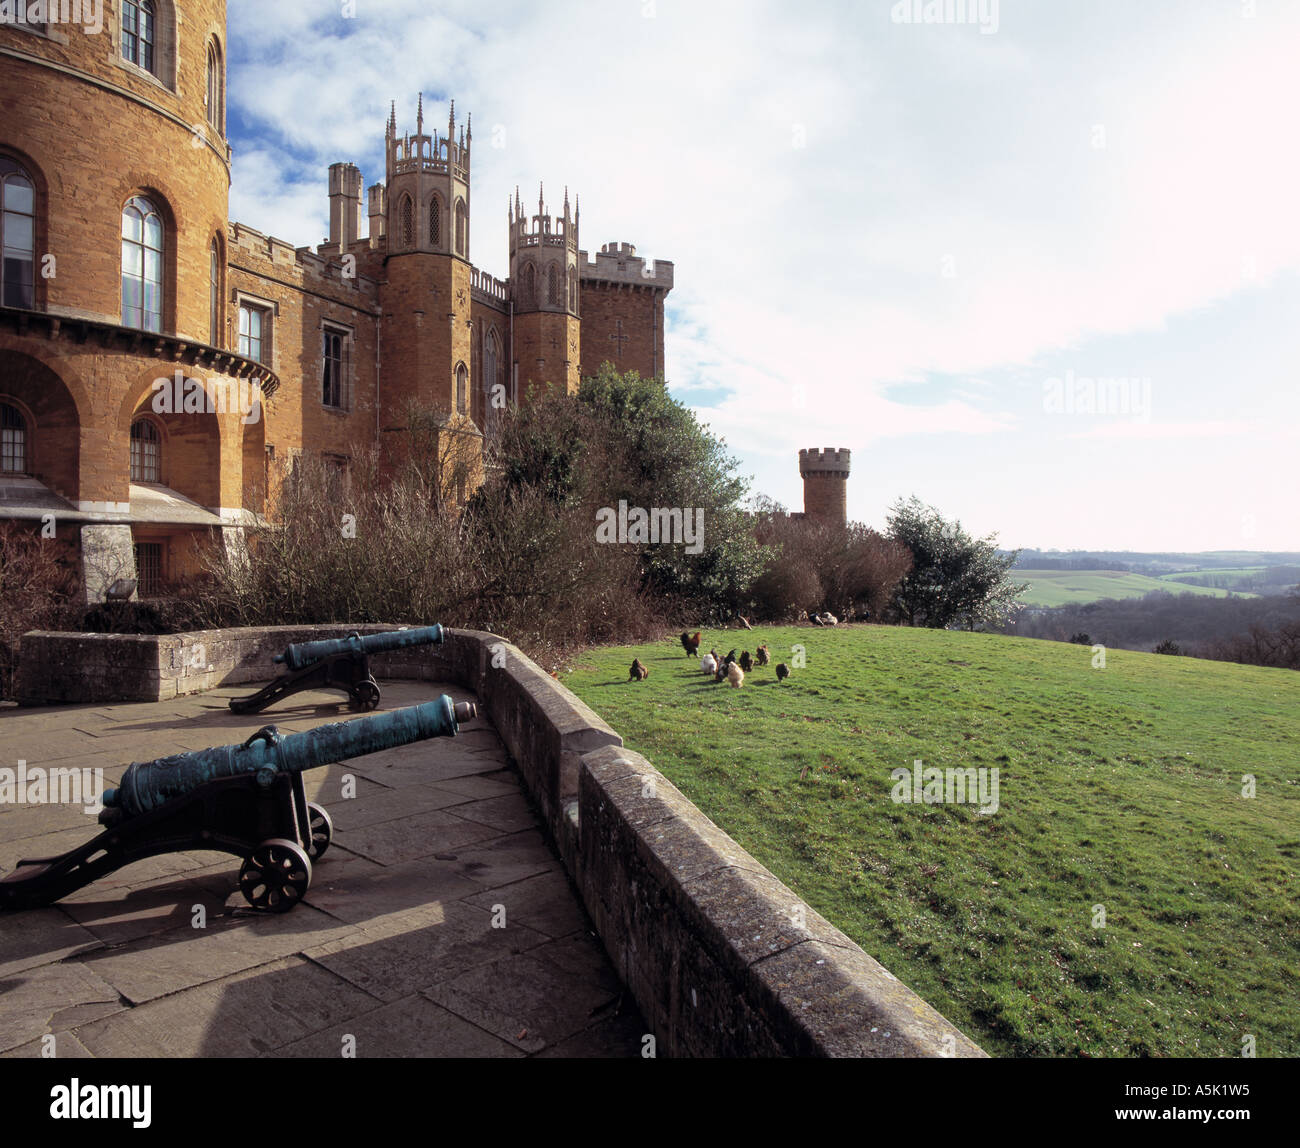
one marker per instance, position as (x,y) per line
(365,695)
(322,830)
(276,876)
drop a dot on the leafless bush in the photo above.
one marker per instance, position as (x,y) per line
(38,584)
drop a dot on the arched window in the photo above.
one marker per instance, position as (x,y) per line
(435,223)
(139,34)
(13,441)
(407,215)
(146,452)
(462,389)
(214,294)
(573,292)
(462,223)
(552,288)
(215,96)
(142,265)
(527,286)
(17,235)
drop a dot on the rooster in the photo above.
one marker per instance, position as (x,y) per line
(691,643)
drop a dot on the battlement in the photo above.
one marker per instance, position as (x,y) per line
(824,461)
(425,152)
(487,288)
(301,266)
(619,263)
(542,229)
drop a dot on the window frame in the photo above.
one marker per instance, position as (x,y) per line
(12,171)
(24,439)
(270,311)
(156,442)
(138,202)
(214,93)
(135,7)
(347,359)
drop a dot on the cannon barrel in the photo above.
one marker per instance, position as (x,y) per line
(147,785)
(304,653)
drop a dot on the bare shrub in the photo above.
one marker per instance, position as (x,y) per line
(38,584)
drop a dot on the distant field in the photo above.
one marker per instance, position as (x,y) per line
(1066,587)
(1120,787)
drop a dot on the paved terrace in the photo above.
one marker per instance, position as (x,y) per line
(393,945)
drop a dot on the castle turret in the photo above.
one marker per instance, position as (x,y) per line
(825,476)
(544,289)
(427,325)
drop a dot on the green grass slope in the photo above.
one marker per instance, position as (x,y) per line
(1063,587)
(1119,787)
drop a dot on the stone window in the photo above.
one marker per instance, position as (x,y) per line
(255,332)
(527,286)
(552,287)
(407,215)
(139,34)
(149,568)
(214,97)
(146,452)
(435,223)
(13,441)
(17,235)
(462,389)
(491,368)
(336,356)
(214,293)
(142,265)
(462,226)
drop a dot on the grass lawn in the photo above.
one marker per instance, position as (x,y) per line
(1063,587)
(1118,787)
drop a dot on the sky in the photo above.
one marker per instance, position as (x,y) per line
(1036,263)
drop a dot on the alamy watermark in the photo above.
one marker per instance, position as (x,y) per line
(658,525)
(951,786)
(189,396)
(54,786)
(39,13)
(1104,395)
(981,12)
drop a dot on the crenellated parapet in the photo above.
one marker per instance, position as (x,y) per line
(824,461)
(619,263)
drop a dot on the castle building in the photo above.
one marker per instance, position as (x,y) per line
(162,367)
(825,475)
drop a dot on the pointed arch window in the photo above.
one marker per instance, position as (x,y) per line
(573,293)
(462,389)
(435,223)
(214,294)
(142,265)
(462,225)
(17,235)
(407,215)
(146,452)
(13,440)
(527,286)
(552,288)
(139,33)
(215,95)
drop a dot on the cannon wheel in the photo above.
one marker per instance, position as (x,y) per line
(365,695)
(276,876)
(322,830)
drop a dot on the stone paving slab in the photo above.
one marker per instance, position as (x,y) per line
(393,947)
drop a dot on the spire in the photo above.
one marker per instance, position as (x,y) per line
(469,128)
(541,209)
(419,117)
(392,121)
(566,202)
(451,122)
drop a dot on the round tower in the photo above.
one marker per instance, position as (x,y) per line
(825,474)
(544,290)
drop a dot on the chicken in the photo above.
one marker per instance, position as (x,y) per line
(782,671)
(764,655)
(745,662)
(709,665)
(735,676)
(691,644)
(639,673)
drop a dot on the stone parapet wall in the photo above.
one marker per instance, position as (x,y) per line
(722,958)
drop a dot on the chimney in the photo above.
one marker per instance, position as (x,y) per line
(345,205)
(378,212)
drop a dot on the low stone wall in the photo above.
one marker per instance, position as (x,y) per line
(722,959)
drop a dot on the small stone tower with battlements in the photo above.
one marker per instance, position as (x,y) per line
(544,286)
(825,476)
